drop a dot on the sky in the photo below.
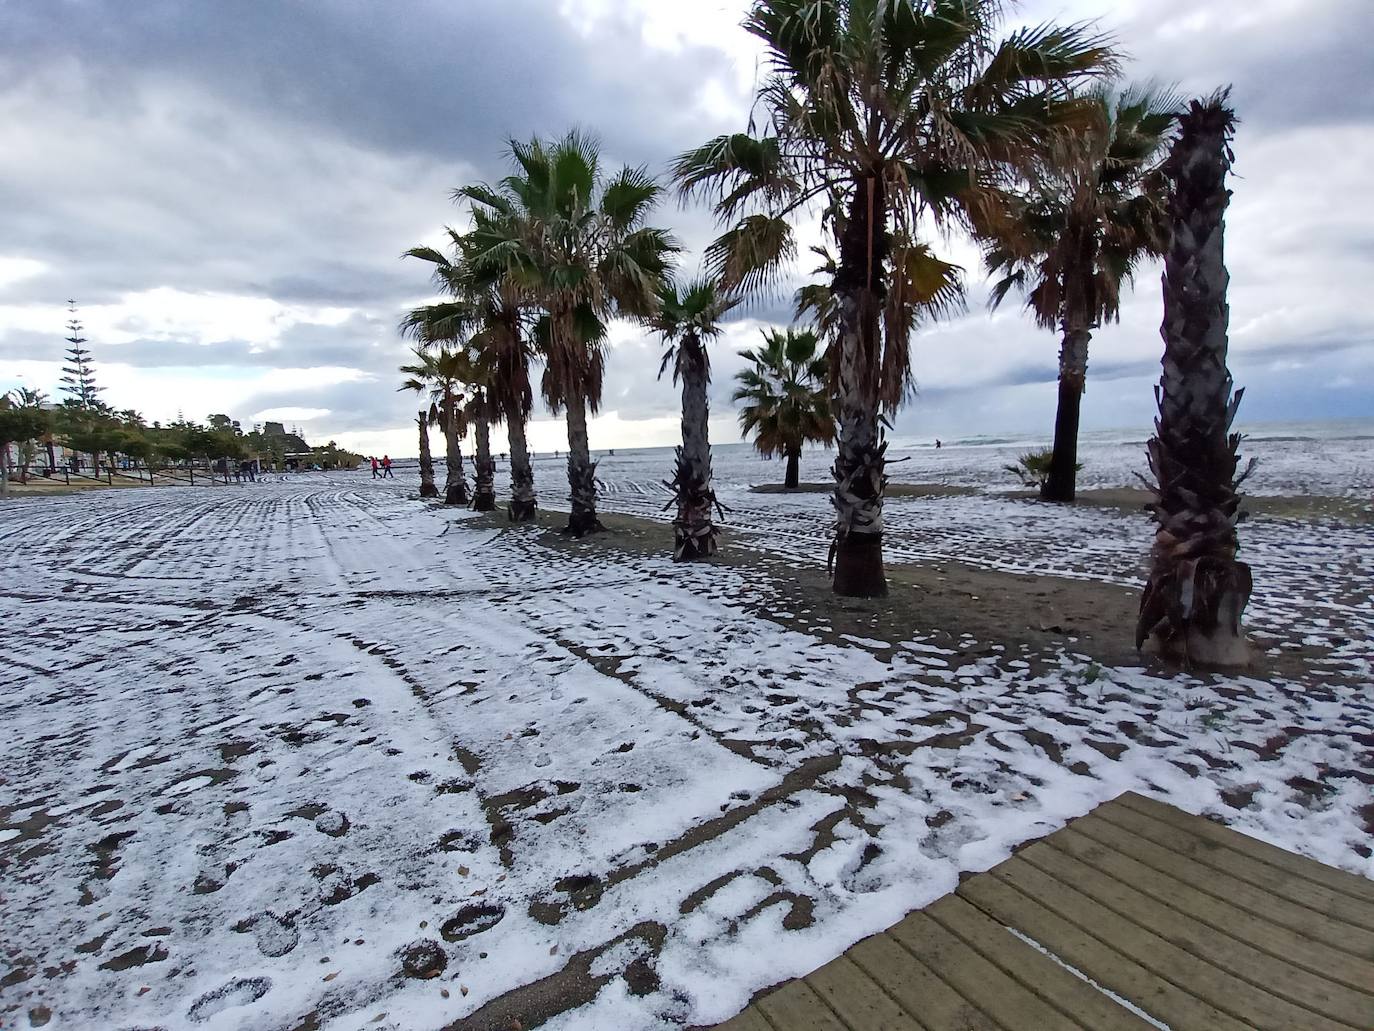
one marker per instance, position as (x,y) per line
(226,191)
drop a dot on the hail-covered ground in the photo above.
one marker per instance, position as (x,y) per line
(311,754)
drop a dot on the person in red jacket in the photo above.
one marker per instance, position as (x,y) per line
(375,473)
(386,468)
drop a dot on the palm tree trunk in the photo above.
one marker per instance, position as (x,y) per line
(857,551)
(1196,591)
(523,501)
(1062,482)
(456,487)
(581,471)
(427,488)
(694,534)
(792,477)
(484,497)
(52,458)
(4,469)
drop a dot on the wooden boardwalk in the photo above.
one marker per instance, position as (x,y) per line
(1134,916)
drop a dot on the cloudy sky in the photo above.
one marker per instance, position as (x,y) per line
(225,188)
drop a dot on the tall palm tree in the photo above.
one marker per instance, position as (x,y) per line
(427,488)
(882,113)
(488,311)
(688,316)
(573,243)
(438,374)
(1197,590)
(1092,216)
(787,403)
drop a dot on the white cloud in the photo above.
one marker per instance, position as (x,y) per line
(289,414)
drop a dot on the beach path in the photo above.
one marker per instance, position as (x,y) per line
(1136,915)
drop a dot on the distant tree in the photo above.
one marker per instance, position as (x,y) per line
(33,400)
(438,375)
(427,488)
(787,403)
(688,316)
(20,423)
(90,431)
(487,315)
(573,242)
(1091,217)
(78,375)
(1197,590)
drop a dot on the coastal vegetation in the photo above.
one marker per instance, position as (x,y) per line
(786,395)
(1093,212)
(887,127)
(687,318)
(890,126)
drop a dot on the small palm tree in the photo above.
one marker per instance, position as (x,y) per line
(787,402)
(488,311)
(438,374)
(884,114)
(1095,213)
(687,318)
(573,243)
(1197,591)
(427,488)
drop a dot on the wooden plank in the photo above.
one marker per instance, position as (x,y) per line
(1330,904)
(1306,921)
(1052,982)
(1166,960)
(1107,966)
(974,977)
(749,1020)
(935,1005)
(1356,887)
(795,1007)
(857,1000)
(1220,947)
(1282,943)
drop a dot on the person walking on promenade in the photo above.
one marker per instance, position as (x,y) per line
(386,468)
(375,473)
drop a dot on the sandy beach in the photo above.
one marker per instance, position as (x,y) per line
(268,740)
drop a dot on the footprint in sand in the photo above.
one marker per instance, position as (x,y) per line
(239,992)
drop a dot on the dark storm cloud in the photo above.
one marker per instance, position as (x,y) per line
(448,79)
(293,150)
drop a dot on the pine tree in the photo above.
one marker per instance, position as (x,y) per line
(78,380)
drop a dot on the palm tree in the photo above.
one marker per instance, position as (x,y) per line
(572,243)
(480,413)
(490,314)
(427,488)
(439,375)
(787,403)
(882,113)
(1197,590)
(1093,216)
(687,317)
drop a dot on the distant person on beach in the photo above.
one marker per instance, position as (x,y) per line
(375,473)
(386,468)
(938,445)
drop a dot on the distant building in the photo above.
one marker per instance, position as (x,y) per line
(274,429)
